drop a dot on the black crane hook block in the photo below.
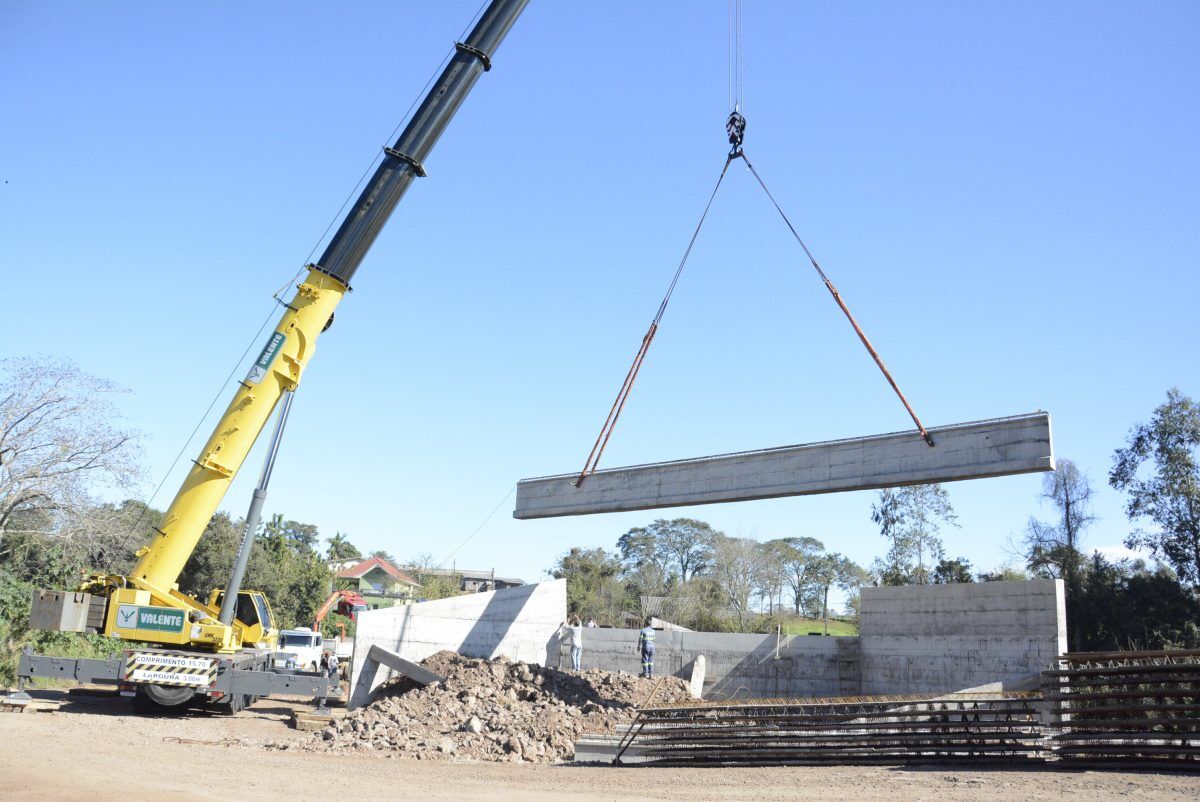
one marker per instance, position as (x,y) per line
(735,126)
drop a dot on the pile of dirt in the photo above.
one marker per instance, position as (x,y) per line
(494,710)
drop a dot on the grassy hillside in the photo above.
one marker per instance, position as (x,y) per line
(806,626)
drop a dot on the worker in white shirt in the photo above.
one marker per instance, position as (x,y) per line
(575,628)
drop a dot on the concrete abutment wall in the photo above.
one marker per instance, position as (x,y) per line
(935,638)
(949,637)
(520,623)
(931,639)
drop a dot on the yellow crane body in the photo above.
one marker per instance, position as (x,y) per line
(224,648)
(147,605)
(153,582)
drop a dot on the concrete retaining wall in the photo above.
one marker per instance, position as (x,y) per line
(939,638)
(520,623)
(949,637)
(736,665)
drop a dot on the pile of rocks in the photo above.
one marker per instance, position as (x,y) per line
(492,710)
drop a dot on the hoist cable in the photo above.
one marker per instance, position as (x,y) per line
(735,127)
(475,531)
(738,64)
(735,55)
(614,412)
(195,430)
(841,304)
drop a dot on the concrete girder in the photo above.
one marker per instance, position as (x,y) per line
(996,447)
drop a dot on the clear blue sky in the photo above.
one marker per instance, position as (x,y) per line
(1007,195)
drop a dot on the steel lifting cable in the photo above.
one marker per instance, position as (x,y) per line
(630,377)
(735,127)
(735,55)
(841,304)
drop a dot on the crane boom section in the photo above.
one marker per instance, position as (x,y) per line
(404,161)
(278,369)
(152,585)
(162,561)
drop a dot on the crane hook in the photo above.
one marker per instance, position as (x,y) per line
(735,127)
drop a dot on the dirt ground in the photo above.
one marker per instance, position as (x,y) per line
(92,748)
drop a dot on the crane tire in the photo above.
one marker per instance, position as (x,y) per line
(162,698)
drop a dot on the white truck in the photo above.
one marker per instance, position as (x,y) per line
(299,648)
(302,648)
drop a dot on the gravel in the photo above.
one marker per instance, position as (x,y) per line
(491,710)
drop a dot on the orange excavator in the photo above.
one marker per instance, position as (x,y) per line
(347,602)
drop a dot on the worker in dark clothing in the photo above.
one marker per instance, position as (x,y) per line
(646,647)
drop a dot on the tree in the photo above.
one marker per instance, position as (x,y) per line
(294,578)
(698,605)
(336,624)
(58,440)
(641,561)
(796,554)
(292,574)
(737,568)
(1052,548)
(1168,493)
(774,555)
(667,553)
(827,570)
(593,586)
(1124,605)
(209,565)
(684,543)
(952,572)
(301,536)
(340,548)
(435,584)
(911,518)
(93,537)
(1005,573)
(851,578)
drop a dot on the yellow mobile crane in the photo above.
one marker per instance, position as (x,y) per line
(221,647)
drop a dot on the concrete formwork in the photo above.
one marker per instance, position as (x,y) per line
(998,447)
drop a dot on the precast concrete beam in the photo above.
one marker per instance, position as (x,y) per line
(996,447)
(417,673)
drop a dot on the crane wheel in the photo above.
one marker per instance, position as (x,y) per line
(238,702)
(162,698)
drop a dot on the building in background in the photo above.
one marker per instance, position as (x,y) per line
(343,564)
(380,583)
(477,581)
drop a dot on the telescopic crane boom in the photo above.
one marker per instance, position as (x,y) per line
(279,368)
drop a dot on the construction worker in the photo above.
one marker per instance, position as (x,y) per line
(575,628)
(646,647)
(331,664)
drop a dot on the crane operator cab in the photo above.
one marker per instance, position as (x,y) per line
(253,613)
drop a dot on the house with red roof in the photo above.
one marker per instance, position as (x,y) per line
(380,583)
